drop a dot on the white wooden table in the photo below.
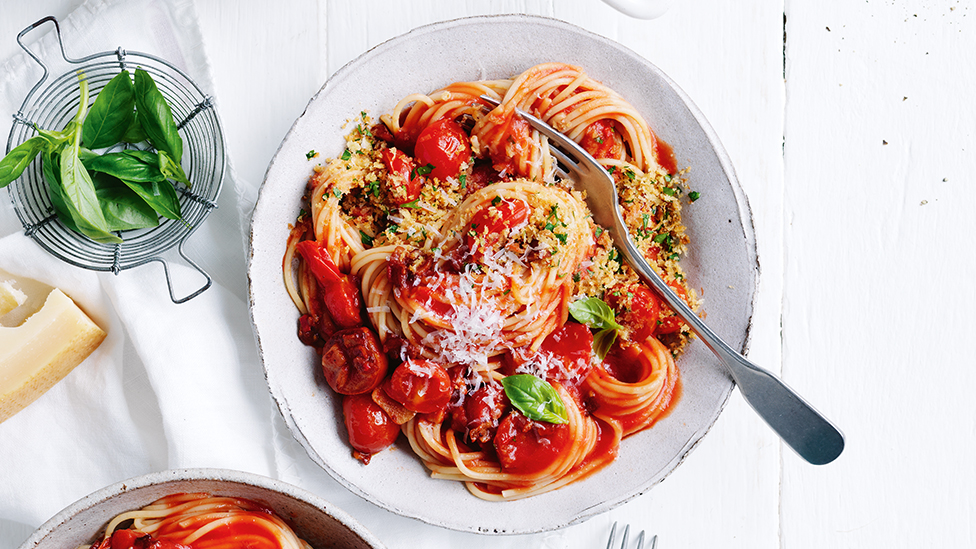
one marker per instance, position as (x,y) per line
(852,128)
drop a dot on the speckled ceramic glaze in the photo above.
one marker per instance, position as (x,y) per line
(722,261)
(313,519)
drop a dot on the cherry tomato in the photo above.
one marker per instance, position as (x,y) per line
(670,322)
(126,539)
(422,386)
(339,292)
(481,412)
(601,140)
(353,362)
(572,346)
(637,308)
(404,181)
(370,428)
(565,354)
(445,146)
(526,446)
(487,224)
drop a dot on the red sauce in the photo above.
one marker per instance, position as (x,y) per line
(665,156)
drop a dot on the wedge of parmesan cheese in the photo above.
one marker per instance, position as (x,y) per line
(41,351)
(10,297)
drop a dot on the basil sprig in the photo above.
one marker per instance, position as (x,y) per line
(98,194)
(596,314)
(535,398)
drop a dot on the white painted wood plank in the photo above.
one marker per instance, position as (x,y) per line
(878,280)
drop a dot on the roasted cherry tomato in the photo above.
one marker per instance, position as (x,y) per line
(480,412)
(565,355)
(339,291)
(670,322)
(572,345)
(601,140)
(445,146)
(404,180)
(422,386)
(370,428)
(353,362)
(487,224)
(526,446)
(126,539)
(638,308)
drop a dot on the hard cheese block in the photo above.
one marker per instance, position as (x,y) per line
(10,297)
(41,351)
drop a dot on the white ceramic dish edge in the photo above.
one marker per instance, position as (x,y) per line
(81,521)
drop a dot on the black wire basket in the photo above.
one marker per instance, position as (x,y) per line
(51,107)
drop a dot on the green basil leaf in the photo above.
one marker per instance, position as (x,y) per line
(160,195)
(129,165)
(17,160)
(51,169)
(156,118)
(134,133)
(172,169)
(535,398)
(122,207)
(111,114)
(603,341)
(593,312)
(80,198)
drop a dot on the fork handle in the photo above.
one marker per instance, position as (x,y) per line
(802,427)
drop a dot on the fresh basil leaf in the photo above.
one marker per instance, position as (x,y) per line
(160,195)
(17,160)
(156,118)
(535,398)
(80,198)
(603,341)
(129,165)
(122,207)
(134,133)
(51,168)
(593,312)
(111,114)
(172,169)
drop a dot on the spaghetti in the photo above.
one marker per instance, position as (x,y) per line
(459,293)
(199,521)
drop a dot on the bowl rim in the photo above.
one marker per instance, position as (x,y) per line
(230,476)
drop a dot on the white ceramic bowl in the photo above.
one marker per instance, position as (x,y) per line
(312,518)
(721,260)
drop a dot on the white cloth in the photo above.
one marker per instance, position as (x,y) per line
(172,385)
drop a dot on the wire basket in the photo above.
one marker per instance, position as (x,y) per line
(53,106)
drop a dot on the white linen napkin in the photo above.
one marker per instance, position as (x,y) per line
(172,385)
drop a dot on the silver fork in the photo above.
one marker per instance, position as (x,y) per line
(802,427)
(623,542)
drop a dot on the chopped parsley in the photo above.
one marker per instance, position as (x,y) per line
(694,195)
(367,240)
(311,154)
